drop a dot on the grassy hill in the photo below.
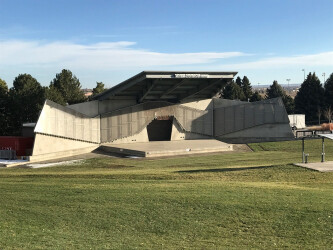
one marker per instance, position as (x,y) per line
(246,200)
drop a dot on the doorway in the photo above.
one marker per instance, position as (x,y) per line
(160,129)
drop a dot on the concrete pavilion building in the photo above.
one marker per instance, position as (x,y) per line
(158,106)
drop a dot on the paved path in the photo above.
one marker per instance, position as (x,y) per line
(318,166)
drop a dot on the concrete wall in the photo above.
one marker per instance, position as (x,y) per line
(245,122)
(178,134)
(89,109)
(262,133)
(64,131)
(206,104)
(52,147)
(230,119)
(130,121)
(64,122)
(141,136)
(112,105)
(218,102)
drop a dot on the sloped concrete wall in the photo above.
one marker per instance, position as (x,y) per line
(262,133)
(61,121)
(245,122)
(130,121)
(52,147)
(90,109)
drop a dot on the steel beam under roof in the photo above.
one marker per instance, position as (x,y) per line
(169,85)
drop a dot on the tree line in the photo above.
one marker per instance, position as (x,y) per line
(23,102)
(313,99)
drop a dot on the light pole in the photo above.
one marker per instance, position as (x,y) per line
(304,73)
(324,77)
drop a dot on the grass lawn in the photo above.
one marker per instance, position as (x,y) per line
(246,200)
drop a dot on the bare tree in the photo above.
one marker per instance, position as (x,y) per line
(328,114)
(319,113)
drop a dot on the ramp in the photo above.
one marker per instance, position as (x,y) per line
(167,148)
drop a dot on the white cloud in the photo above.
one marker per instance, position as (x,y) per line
(98,56)
(313,60)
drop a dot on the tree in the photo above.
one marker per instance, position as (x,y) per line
(289,104)
(233,92)
(328,114)
(3,88)
(275,90)
(256,97)
(26,99)
(239,81)
(53,94)
(247,88)
(99,88)
(319,112)
(69,87)
(3,107)
(309,97)
(329,91)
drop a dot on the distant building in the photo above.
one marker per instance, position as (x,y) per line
(87,92)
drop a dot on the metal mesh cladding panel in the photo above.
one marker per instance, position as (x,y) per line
(130,121)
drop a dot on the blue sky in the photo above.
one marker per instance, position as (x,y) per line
(110,41)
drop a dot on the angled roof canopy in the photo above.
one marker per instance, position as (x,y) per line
(172,86)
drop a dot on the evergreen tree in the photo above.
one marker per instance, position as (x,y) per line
(53,94)
(233,92)
(275,90)
(289,104)
(309,97)
(256,97)
(247,88)
(239,81)
(329,91)
(98,89)
(3,88)
(69,87)
(4,126)
(26,99)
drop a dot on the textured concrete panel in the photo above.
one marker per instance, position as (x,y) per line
(219,102)
(131,120)
(89,109)
(265,132)
(111,105)
(50,147)
(200,105)
(243,115)
(64,122)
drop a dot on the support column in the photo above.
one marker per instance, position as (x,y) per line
(303,155)
(323,150)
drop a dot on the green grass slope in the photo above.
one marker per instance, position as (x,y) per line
(246,200)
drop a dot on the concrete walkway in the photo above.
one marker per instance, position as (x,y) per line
(318,166)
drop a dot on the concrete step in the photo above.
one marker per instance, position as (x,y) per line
(167,148)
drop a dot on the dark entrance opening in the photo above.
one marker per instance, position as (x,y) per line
(160,129)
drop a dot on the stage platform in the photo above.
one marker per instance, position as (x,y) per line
(167,148)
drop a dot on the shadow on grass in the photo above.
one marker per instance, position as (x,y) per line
(223,169)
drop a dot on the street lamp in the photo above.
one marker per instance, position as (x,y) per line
(324,77)
(304,73)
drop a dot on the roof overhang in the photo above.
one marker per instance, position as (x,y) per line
(172,86)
